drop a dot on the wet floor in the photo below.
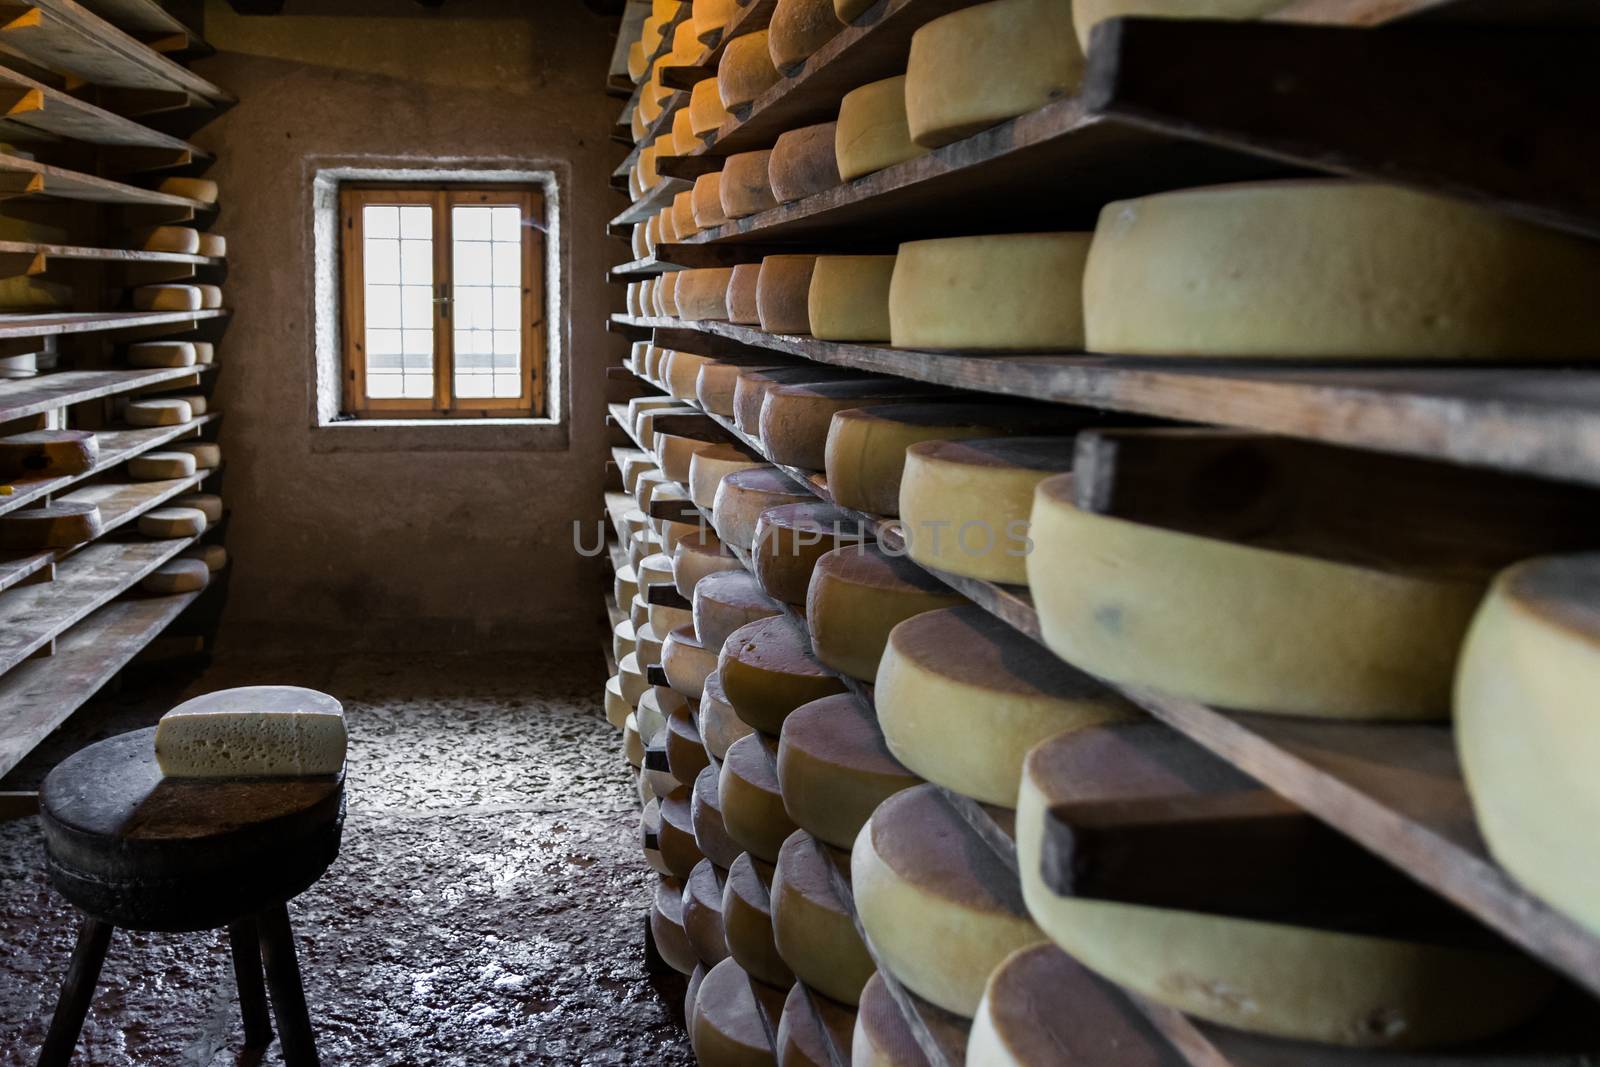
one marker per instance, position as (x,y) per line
(486,907)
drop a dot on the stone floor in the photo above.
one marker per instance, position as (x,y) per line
(486,907)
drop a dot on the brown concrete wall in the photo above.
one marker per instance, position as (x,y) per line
(411,545)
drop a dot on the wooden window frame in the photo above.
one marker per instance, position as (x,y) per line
(355,196)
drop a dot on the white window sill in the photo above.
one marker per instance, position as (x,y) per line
(440,435)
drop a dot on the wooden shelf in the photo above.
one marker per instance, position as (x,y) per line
(749,18)
(41,694)
(657,197)
(648,267)
(37,112)
(146,20)
(116,447)
(31,396)
(66,37)
(27,177)
(32,257)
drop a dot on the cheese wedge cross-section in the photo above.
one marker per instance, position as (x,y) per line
(253,731)
(811,919)
(834,768)
(857,594)
(873,132)
(768,670)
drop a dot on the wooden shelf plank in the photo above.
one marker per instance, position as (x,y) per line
(29,177)
(37,256)
(19,569)
(122,502)
(45,114)
(31,396)
(647,267)
(42,694)
(1469,12)
(116,446)
(142,18)
(654,199)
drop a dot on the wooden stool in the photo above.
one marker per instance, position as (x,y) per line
(130,848)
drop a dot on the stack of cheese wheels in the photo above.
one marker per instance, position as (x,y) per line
(742,291)
(789,541)
(872,131)
(919,866)
(710,833)
(1087,13)
(747,921)
(720,725)
(687,662)
(865,455)
(1124,601)
(735,1018)
(928,700)
(1333,986)
(702,912)
(710,465)
(746,70)
(696,557)
(811,919)
(727,601)
(795,418)
(966,505)
(1524,699)
(802,163)
(703,293)
(706,110)
(848,299)
(1335,268)
(857,594)
(706,198)
(798,28)
(1019,291)
(783,293)
(746,188)
(767,670)
(883,1037)
(834,768)
(752,806)
(979,66)
(741,498)
(814,1031)
(750,391)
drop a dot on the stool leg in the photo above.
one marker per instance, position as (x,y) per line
(94,938)
(283,981)
(243,939)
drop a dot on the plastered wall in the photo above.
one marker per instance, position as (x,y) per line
(419,538)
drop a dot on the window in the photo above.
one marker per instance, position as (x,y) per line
(444,301)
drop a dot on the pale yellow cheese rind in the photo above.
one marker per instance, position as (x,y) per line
(811,921)
(728,1031)
(849,298)
(872,132)
(747,921)
(767,671)
(702,294)
(857,594)
(710,465)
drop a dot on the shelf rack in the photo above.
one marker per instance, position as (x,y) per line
(49,392)
(27,177)
(36,112)
(117,446)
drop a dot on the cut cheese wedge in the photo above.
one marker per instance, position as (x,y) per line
(169,523)
(834,768)
(752,807)
(1140,605)
(666,927)
(168,298)
(741,498)
(746,70)
(979,66)
(802,163)
(702,913)
(742,306)
(795,418)
(728,601)
(849,298)
(1336,269)
(798,28)
(768,670)
(161,466)
(702,294)
(872,131)
(254,731)
(710,465)
(783,290)
(162,354)
(177,576)
(812,924)
(706,197)
(883,1038)
(751,389)
(962,697)
(720,725)
(687,662)
(49,454)
(676,834)
(695,558)
(164,412)
(201,189)
(746,187)
(789,541)
(706,110)
(814,1031)
(747,921)
(184,240)
(856,595)
(735,1018)
(710,832)
(940,904)
(965,505)
(1011,292)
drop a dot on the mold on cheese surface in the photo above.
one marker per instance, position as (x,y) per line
(253,731)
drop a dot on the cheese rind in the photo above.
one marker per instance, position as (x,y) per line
(1018,291)
(742,307)
(171,523)
(811,919)
(666,926)
(873,132)
(159,412)
(857,594)
(767,671)
(834,768)
(728,1028)
(795,418)
(814,1030)
(747,921)
(720,726)
(743,495)
(849,298)
(706,111)
(695,558)
(728,601)
(789,541)
(883,1038)
(783,292)
(752,806)
(177,576)
(702,913)
(616,705)
(746,188)
(746,70)
(253,731)
(160,466)
(710,465)
(48,453)
(798,28)
(683,223)
(215,557)
(201,189)
(687,662)
(706,197)
(1139,605)
(162,354)
(703,293)
(750,391)
(184,240)
(802,163)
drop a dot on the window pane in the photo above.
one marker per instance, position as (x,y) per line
(474,385)
(382,385)
(381,221)
(471,224)
(382,266)
(417,222)
(383,307)
(507,386)
(397,260)
(507,224)
(419,386)
(507,308)
(487,257)
(416,262)
(507,264)
(474,263)
(474,308)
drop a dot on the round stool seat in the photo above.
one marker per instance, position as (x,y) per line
(142,851)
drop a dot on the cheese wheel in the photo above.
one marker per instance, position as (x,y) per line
(768,670)
(667,294)
(695,558)
(198,405)
(710,465)
(616,705)
(872,132)
(675,452)
(201,189)
(205,353)
(849,298)
(623,639)
(684,141)
(635,463)
(664,618)
(61,524)
(666,9)
(667,226)
(834,768)
(638,61)
(184,240)
(710,832)
(210,296)
(712,15)
(162,354)
(632,747)
(683,223)
(703,294)
(1336,268)
(795,418)
(1267,977)
(161,466)
(649,828)
(625,586)
(645,167)
(687,662)
(720,725)
(215,557)
(632,674)
(965,505)
(1139,605)
(742,308)
(640,250)
(1524,727)
(666,927)
(652,237)
(728,601)
(165,411)
(741,498)
(706,198)
(746,186)
(213,245)
(747,921)
(857,594)
(783,291)
(208,504)
(802,163)
(1015,291)
(882,1036)
(706,110)
(635,309)
(931,701)
(169,523)
(811,919)
(176,576)
(735,1018)
(750,391)
(798,28)
(789,541)
(252,731)
(850,10)
(654,570)
(979,66)
(662,784)
(48,454)
(635,187)
(702,913)
(676,834)
(941,906)
(814,1031)
(746,70)
(752,807)
(686,46)
(167,298)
